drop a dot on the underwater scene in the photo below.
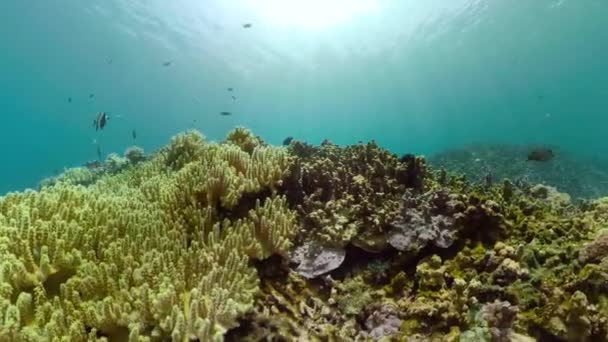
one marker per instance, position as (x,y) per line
(304,170)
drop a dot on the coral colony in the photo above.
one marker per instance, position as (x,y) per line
(241,240)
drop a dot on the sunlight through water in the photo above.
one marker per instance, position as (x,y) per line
(311,14)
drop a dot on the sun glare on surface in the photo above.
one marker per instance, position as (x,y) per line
(311,14)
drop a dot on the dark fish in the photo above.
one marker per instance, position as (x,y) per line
(109,61)
(101,120)
(247,25)
(287,141)
(225,113)
(541,154)
(233,97)
(91,96)
(230,89)
(69,100)
(167,63)
(134,134)
(540,97)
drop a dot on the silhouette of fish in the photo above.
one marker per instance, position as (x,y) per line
(230,89)
(541,154)
(234,97)
(134,134)
(247,25)
(101,120)
(167,63)
(91,96)
(225,113)
(69,100)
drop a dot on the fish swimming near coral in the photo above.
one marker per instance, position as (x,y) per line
(101,120)
(247,25)
(287,141)
(134,134)
(541,154)
(225,113)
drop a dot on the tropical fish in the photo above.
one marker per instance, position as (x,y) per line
(225,113)
(541,154)
(247,25)
(167,63)
(287,141)
(101,120)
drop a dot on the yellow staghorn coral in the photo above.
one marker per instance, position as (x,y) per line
(145,254)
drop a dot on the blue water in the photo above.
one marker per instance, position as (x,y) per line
(416,76)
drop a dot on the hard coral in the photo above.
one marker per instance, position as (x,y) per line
(346,194)
(135,154)
(427,218)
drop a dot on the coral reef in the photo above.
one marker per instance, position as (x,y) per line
(576,175)
(135,154)
(144,253)
(242,241)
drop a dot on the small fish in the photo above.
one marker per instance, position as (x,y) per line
(234,97)
(134,134)
(69,100)
(167,63)
(287,141)
(109,61)
(541,154)
(91,96)
(225,113)
(230,89)
(247,25)
(540,97)
(101,120)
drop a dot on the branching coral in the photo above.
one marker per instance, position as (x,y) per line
(135,154)
(244,139)
(348,194)
(147,253)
